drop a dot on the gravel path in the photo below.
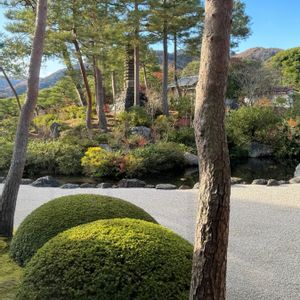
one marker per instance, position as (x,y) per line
(264,247)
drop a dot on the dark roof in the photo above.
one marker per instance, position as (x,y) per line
(185,82)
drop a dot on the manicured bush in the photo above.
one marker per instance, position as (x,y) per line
(110,259)
(54,157)
(153,159)
(251,124)
(6,150)
(63,213)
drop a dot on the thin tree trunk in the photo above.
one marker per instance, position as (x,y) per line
(145,77)
(175,67)
(114,92)
(72,74)
(86,84)
(12,88)
(11,187)
(212,228)
(136,60)
(99,91)
(165,104)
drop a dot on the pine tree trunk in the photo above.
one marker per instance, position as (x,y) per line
(72,74)
(12,88)
(165,104)
(129,78)
(175,67)
(212,228)
(136,76)
(99,91)
(114,92)
(86,84)
(13,180)
(145,77)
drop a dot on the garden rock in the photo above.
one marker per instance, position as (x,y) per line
(295,180)
(196,186)
(150,186)
(297,171)
(191,159)
(106,147)
(259,150)
(26,181)
(104,185)
(184,187)
(47,181)
(142,130)
(131,183)
(166,187)
(283,182)
(273,182)
(236,180)
(70,186)
(87,186)
(260,182)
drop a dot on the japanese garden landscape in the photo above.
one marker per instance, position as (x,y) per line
(118,170)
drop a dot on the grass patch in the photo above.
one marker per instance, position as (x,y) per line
(10,273)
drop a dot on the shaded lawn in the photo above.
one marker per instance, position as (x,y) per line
(10,274)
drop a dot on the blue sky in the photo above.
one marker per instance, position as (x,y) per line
(275,23)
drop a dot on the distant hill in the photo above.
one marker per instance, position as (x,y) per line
(259,54)
(182,58)
(21,85)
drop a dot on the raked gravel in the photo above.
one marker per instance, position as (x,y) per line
(264,244)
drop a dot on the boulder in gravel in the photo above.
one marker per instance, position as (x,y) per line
(236,180)
(273,182)
(196,186)
(283,182)
(166,186)
(104,185)
(46,181)
(260,182)
(69,186)
(87,186)
(184,187)
(297,171)
(295,180)
(150,186)
(131,183)
(191,159)
(26,181)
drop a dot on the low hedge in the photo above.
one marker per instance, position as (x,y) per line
(110,259)
(64,213)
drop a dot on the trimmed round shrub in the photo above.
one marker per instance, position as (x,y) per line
(110,259)
(63,213)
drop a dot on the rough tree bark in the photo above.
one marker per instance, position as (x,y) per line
(136,60)
(86,83)
(175,67)
(11,187)
(99,91)
(12,88)
(165,103)
(72,73)
(211,239)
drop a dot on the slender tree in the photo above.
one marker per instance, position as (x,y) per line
(212,228)
(12,87)
(11,187)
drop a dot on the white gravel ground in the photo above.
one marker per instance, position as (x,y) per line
(264,247)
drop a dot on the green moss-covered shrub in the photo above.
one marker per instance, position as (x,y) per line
(63,213)
(110,259)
